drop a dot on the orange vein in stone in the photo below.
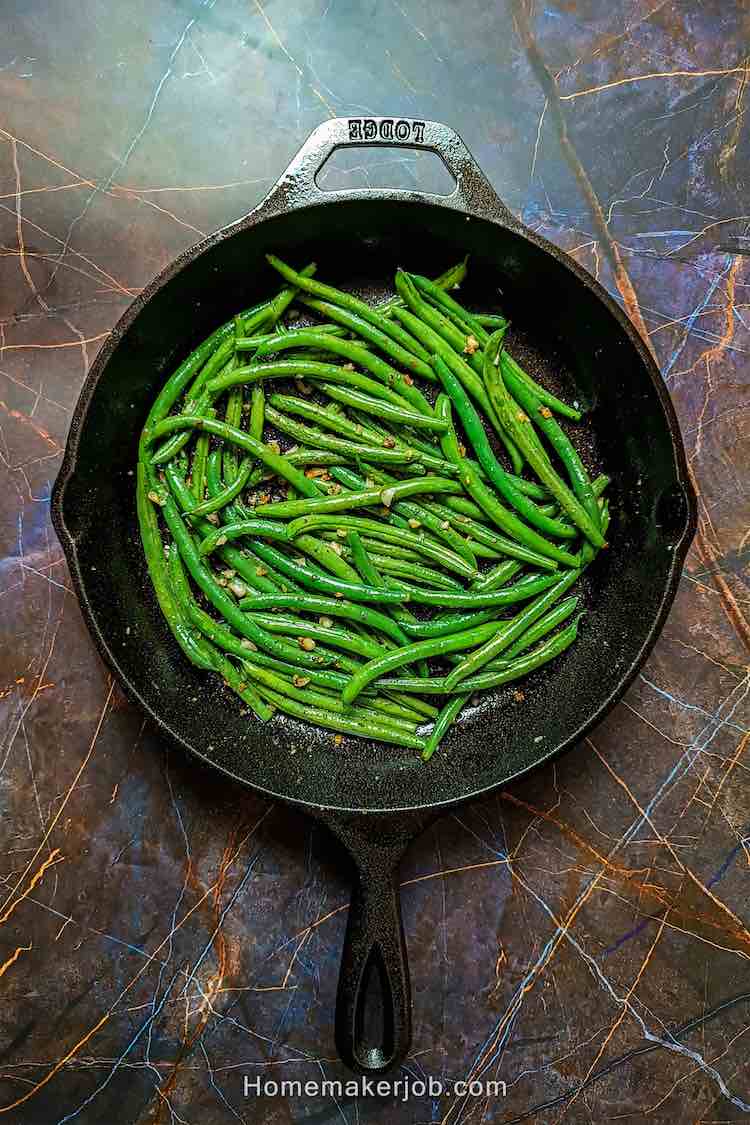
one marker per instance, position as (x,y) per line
(63,344)
(650,77)
(13,958)
(58,1066)
(53,858)
(625,1003)
(7,904)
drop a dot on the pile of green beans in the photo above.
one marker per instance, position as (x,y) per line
(346,515)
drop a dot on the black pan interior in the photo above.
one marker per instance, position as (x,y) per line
(568,338)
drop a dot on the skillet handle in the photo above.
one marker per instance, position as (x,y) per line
(373,1004)
(298,187)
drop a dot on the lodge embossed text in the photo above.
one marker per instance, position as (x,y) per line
(386,129)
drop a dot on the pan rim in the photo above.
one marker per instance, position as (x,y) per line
(114,340)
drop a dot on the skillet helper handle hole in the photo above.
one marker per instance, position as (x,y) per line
(373,1006)
(349,168)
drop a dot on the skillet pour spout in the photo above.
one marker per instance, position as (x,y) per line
(575,338)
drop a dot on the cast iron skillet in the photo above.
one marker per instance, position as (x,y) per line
(376,799)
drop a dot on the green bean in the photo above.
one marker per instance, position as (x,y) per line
(598,485)
(428,460)
(340,647)
(359,728)
(440,528)
(268,312)
(243,562)
(374,336)
(506,520)
(457,342)
(177,382)
(326,557)
(153,549)
(491,320)
(445,719)
(546,397)
(510,631)
(467,376)
(517,426)
(256,373)
(307,436)
(320,458)
(233,418)
(478,599)
(334,636)
(560,442)
(394,551)
(355,353)
(450,304)
(198,468)
(274,461)
(221,359)
(347,301)
(496,576)
(588,551)
(266,529)
(335,681)
(221,601)
(426,443)
(502,481)
(326,700)
(462,506)
(257,411)
(367,497)
(499,543)
(542,627)
(522,665)
(370,574)
(437,320)
(415,571)
(227,494)
(287,687)
(480,551)
(529,488)
(350,397)
(321,677)
(450,623)
(337,421)
(220,634)
(252,343)
(451,279)
(224,340)
(514,670)
(420,543)
(460,368)
(407,654)
(355,481)
(322,583)
(324,676)
(426,709)
(225,667)
(316,413)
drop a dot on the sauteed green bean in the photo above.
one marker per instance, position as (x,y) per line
(314,521)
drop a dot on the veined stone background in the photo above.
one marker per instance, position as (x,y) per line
(584,935)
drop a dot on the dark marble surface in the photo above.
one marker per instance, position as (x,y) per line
(163,934)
